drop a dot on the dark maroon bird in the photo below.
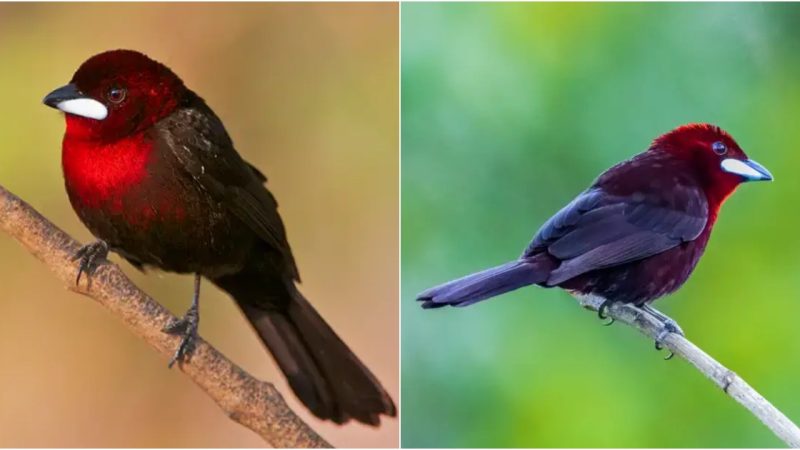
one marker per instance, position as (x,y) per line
(634,235)
(151,171)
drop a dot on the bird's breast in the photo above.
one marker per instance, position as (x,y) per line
(138,198)
(98,173)
(120,179)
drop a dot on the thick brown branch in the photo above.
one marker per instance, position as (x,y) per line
(724,378)
(253,403)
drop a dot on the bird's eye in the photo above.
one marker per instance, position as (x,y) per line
(116,95)
(719,148)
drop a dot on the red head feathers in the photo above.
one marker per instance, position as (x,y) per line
(115,94)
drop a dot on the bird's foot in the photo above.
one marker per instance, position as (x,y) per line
(668,326)
(601,312)
(90,256)
(187,328)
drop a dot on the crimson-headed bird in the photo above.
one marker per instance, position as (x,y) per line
(151,171)
(634,235)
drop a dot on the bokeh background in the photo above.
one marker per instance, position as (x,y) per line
(510,110)
(309,94)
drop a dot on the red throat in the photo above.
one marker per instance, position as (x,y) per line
(716,198)
(98,174)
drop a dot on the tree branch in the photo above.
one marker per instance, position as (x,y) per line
(253,403)
(727,380)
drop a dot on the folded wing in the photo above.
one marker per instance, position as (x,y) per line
(599,229)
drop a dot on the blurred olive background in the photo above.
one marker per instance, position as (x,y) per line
(510,110)
(309,94)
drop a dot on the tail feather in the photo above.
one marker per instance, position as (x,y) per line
(480,286)
(321,370)
(358,391)
(294,361)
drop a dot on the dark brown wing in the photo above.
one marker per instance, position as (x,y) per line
(259,174)
(199,141)
(599,230)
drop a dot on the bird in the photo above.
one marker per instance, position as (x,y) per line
(151,171)
(633,236)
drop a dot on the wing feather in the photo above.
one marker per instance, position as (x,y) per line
(200,143)
(599,230)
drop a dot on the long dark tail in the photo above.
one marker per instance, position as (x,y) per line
(483,285)
(322,371)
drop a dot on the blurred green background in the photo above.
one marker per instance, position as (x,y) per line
(510,110)
(309,94)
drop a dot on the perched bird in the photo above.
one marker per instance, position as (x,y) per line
(151,171)
(634,235)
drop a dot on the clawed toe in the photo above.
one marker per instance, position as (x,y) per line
(669,327)
(659,346)
(601,313)
(186,327)
(90,256)
(177,326)
(184,351)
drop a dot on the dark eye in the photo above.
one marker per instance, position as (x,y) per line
(116,94)
(719,148)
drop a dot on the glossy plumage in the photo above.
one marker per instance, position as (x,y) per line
(633,236)
(159,180)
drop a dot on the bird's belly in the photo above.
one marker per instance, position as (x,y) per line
(642,281)
(169,225)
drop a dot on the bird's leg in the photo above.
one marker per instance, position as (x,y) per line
(668,325)
(186,327)
(601,312)
(90,255)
